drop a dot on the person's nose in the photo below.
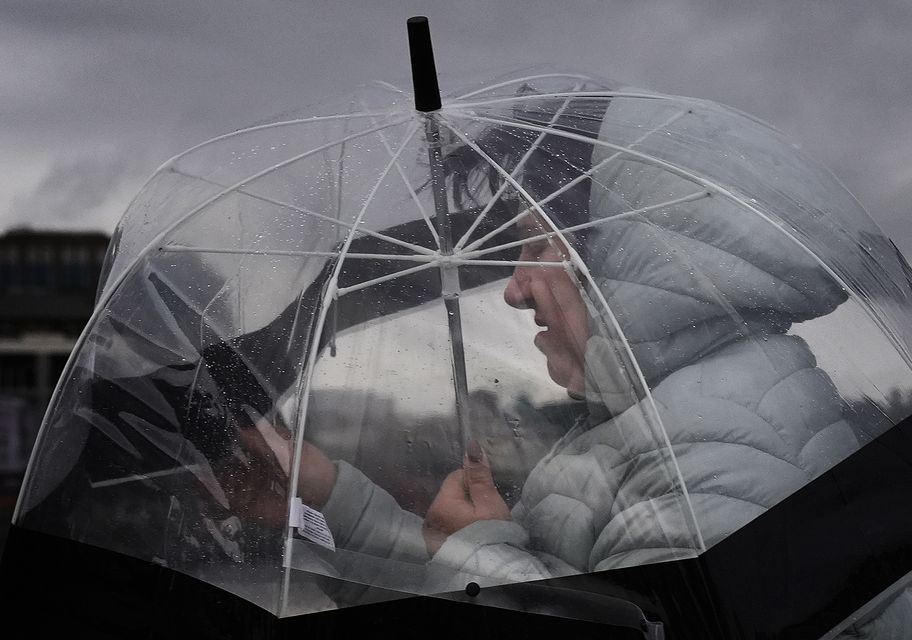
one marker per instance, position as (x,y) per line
(517,293)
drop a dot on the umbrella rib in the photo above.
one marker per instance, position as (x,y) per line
(505,263)
(699,195)
(285,205)
(237,186)
(506,225)
(329,293)
(370,197)
(341,291)
(275,125)
(388,85)
(503,187)
(580,266)
(444,260)
(337,183)
(586,174)
(540,76)
(412,192)
(167,163)
(452,106)
(280,252)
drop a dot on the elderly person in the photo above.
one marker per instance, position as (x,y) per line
(704,294)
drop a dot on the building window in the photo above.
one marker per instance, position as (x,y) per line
(38,266)
(18,373)
(9,268)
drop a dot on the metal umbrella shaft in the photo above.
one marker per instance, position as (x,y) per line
(449,280)
(427,100)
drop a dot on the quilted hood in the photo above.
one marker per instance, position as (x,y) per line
(685,279)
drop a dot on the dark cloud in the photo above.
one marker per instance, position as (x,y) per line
(74,191)
(147,79)
(100,17)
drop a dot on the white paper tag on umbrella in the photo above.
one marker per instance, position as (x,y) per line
(311,525)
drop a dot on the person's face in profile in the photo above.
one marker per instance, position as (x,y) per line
(551,292)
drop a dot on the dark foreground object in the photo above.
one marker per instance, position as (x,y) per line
(59,588)
(795,572)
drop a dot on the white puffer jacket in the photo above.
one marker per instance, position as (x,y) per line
(704,293)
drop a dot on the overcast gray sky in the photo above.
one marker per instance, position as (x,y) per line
(94,95)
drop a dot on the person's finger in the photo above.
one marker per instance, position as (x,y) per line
(453,487)
(253,444)
(478,479)
(451,509)
(279,446)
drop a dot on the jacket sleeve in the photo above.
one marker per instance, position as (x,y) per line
(365,519)
(488,552)
(732,441)
(368,524)
(604,497)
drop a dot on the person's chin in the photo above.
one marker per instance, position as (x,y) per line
(575,386)
(558,373)
(565,375)
(576,395)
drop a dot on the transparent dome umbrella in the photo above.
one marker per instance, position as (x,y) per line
(547,345)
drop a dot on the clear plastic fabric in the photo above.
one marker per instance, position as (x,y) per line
(613,325)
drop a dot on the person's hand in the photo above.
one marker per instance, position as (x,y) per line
(271,441)
(254,480)
(316,478)
(466,496)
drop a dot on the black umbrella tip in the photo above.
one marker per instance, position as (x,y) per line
(424,71)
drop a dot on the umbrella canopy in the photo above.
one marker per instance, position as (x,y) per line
(649,318)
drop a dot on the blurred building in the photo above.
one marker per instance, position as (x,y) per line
(47,292)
